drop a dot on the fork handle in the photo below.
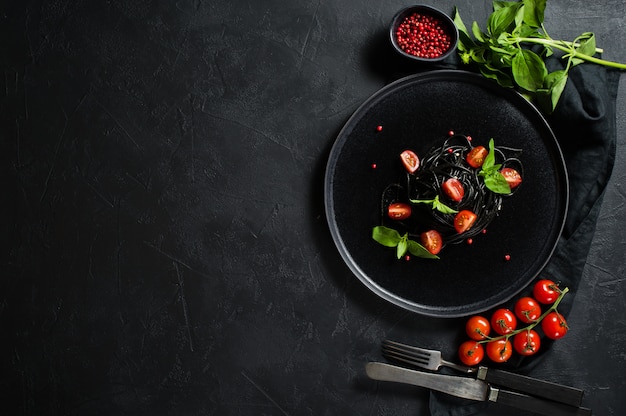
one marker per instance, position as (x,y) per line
(534,404)
(539,388)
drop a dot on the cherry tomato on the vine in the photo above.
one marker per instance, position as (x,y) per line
(464,220)
(477,327)
(476,156)
(527,309)
(410,160)
(513,178)
(399,211)
(453,188)
(546,291)
(432,241)
(503,321)
(554,325)
(499,350)
(526,342)
(471,353)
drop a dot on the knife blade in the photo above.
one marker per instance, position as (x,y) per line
(472,389)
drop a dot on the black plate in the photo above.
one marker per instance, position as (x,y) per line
(417,112)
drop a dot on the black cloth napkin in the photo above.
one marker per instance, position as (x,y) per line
(584,123)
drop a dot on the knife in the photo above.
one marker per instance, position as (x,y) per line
(472,389)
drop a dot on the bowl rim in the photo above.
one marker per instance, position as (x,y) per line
(402,13)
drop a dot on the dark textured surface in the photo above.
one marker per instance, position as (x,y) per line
(164,242)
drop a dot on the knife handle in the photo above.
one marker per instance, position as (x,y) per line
(535,404)
(532,386)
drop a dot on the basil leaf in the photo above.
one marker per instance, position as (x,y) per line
(388,237)
(402,246)
(443,208)
(435,204)
(490,160)
(534,12)
(419,250)
(529,70)
(497,5)
(587,44)
(500,20)
(478,34)
(555,82)
(496,182)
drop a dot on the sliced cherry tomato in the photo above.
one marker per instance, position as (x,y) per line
(399,211)
(527,309)
(432,241)
(410,160)
(500,350)
(554,325)
(476,156)
(464,220)
(478,328)
(546,291)
(512,177)
(453,188)
(471,353)
(503,321)
(526,342)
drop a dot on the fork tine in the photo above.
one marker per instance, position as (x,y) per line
(410,355)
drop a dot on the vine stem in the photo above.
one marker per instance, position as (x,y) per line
(552,308)
(567,47)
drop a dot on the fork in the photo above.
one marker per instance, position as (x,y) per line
(421,357)
(432,360)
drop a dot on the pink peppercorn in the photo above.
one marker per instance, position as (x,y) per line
(423,36)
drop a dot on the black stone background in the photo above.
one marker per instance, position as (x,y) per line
(164,242)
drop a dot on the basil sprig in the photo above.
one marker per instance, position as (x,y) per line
(490,171)
(389,237)
(502,51)
(435,203)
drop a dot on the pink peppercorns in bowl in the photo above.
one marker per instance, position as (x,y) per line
(423,33)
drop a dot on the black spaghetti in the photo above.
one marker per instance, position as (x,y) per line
(427,184)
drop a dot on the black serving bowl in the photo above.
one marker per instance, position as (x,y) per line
(423,33)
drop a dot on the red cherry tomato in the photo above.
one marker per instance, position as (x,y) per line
(476,157)
(399,211)
(453,188)
(500,350)
(410,160)
(432,241)
(546,291)
(503,321)
(512,177)
(527,309)
(471,353)
(477,327)
(554,325)
(464,220)
(526,342)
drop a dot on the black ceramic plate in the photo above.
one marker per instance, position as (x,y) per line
(417,112)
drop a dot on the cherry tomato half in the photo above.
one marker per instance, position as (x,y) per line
(554,325)
(453,188)
(500,350)
(546,291)
(476,157)
(512,177)
(527,309)
(503,321)
(526,342)
(399,211)
(464,220)
(410,160)
(432,241)
(471,353)
(477,327)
